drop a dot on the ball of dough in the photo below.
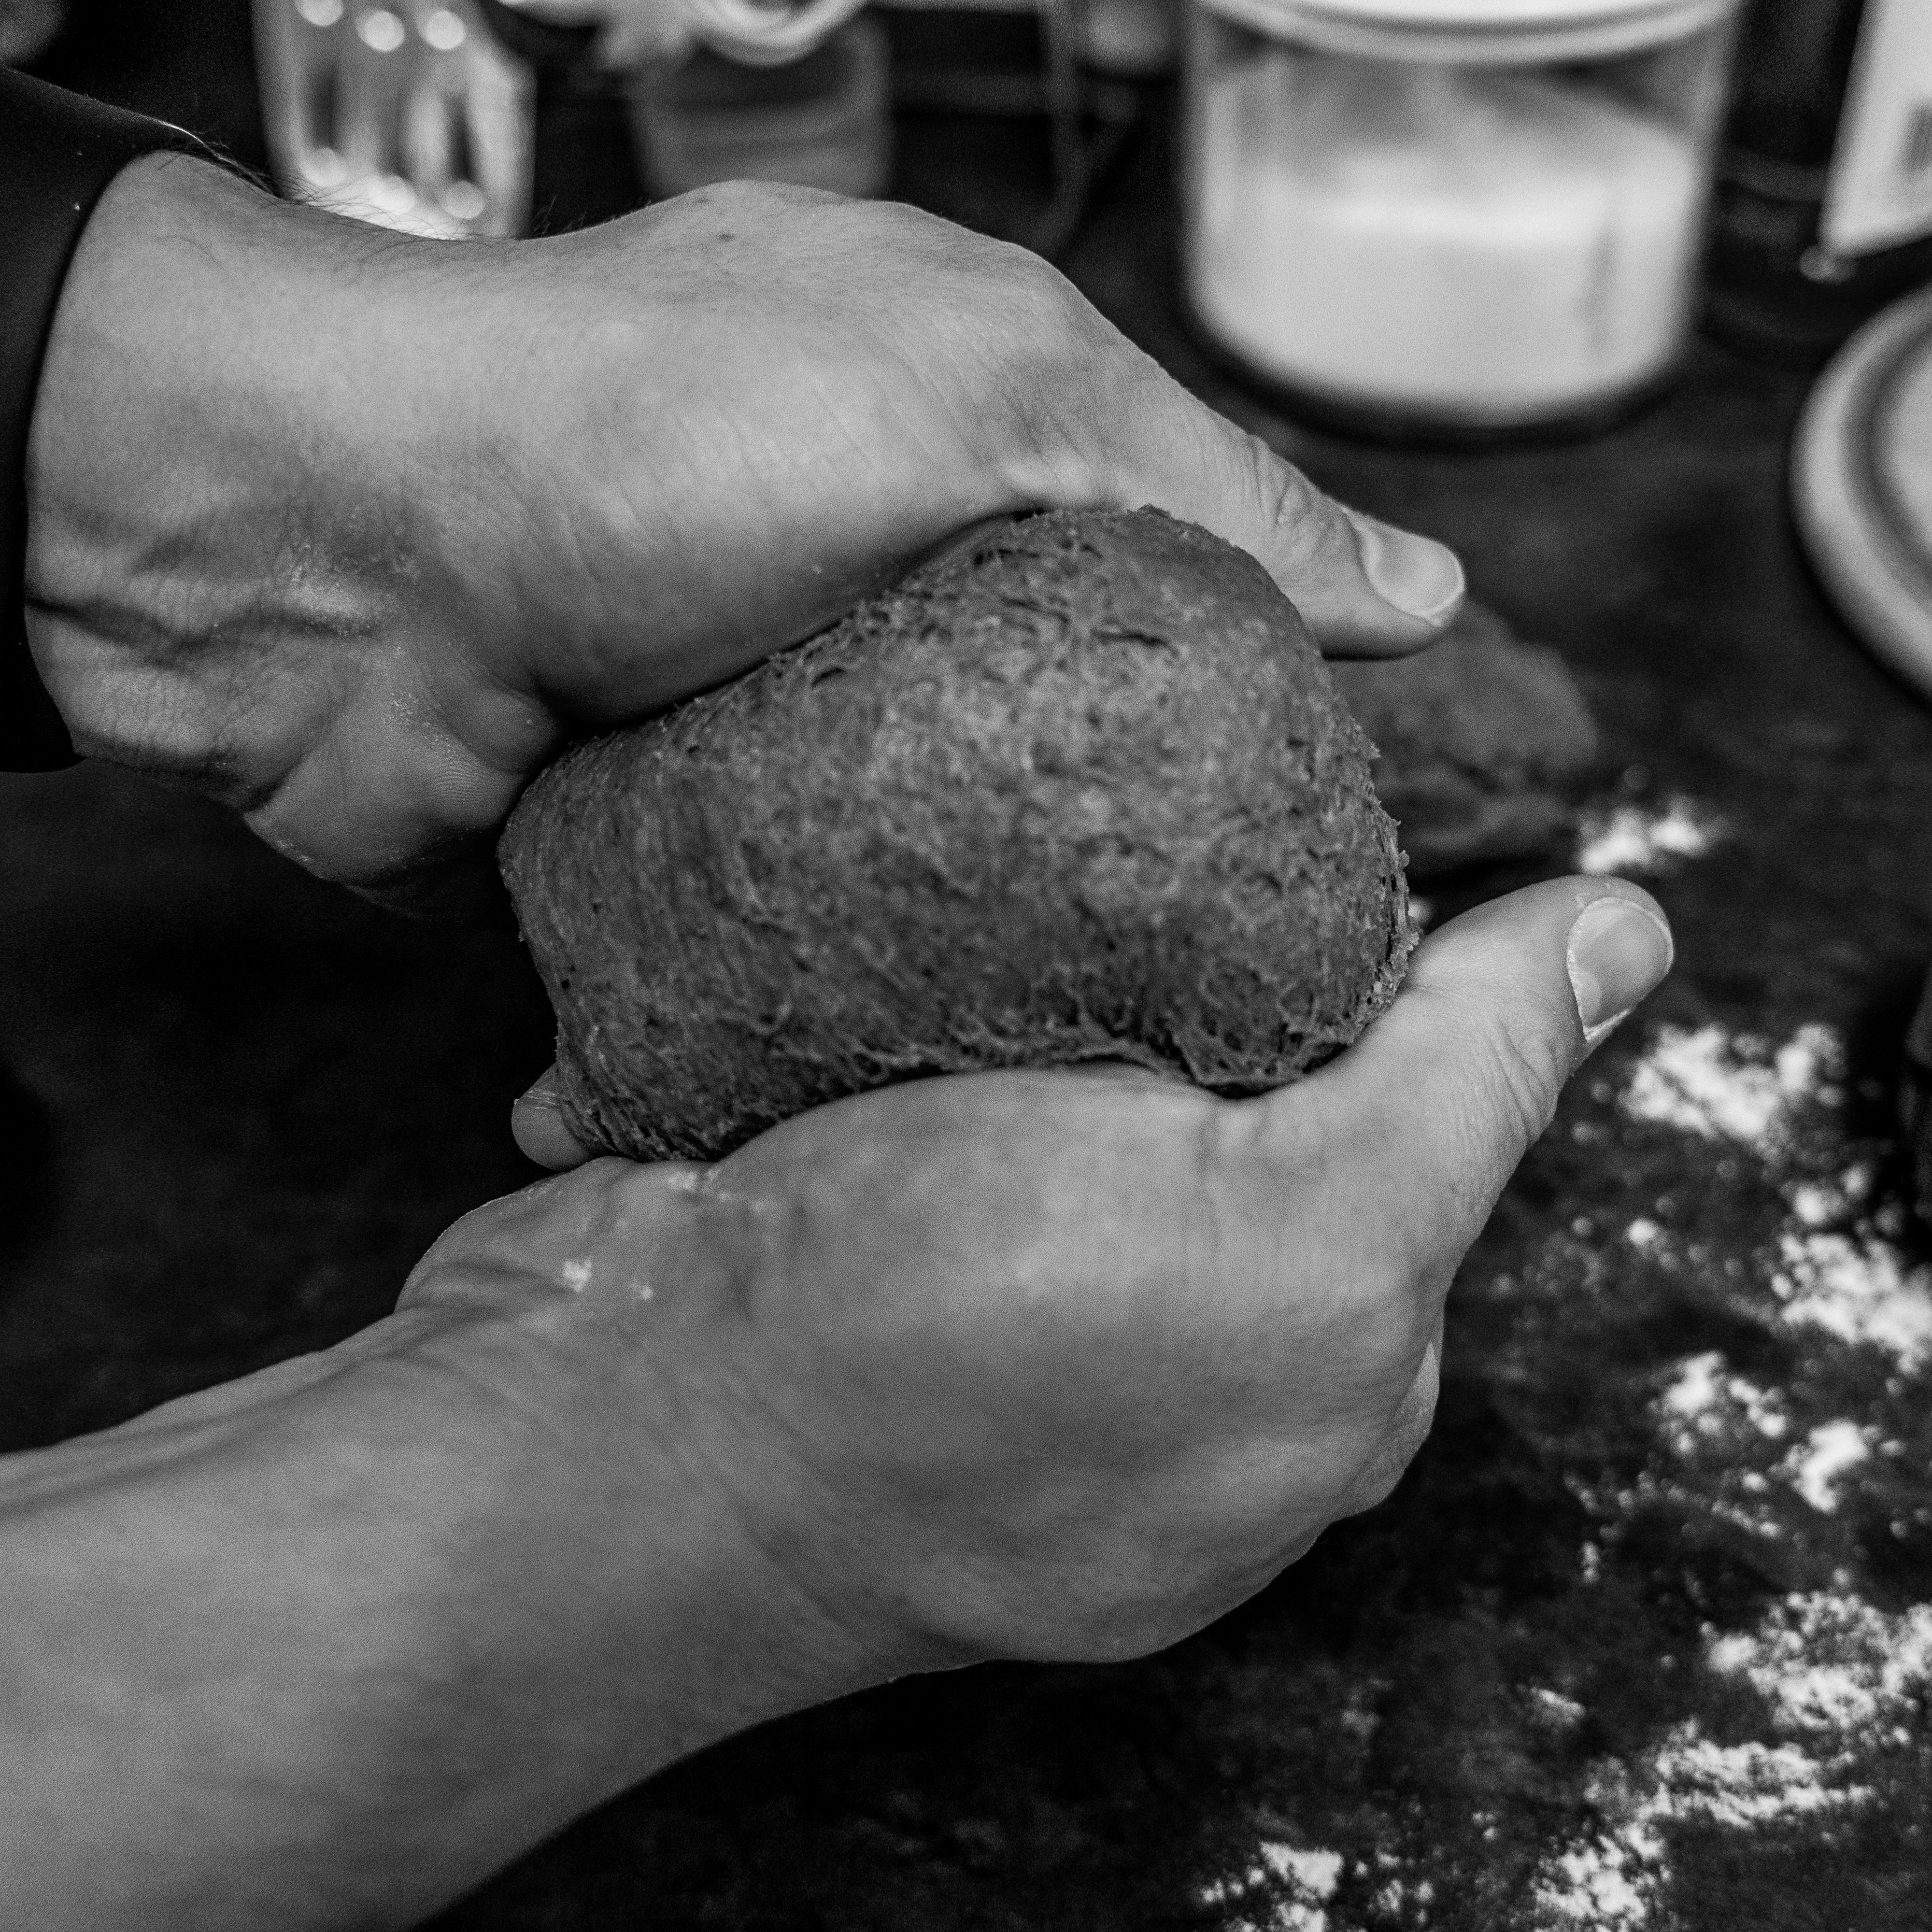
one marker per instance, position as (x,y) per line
(1086,792)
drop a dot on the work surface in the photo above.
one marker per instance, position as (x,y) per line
(1643,1639)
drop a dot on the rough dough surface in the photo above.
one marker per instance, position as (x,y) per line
(1484,744)
(1086,793)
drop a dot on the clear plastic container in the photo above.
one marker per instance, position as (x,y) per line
(1451,218)
(822,121)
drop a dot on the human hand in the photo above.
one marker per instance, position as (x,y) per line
(1063,1364)
(1054,1365)
(352,530)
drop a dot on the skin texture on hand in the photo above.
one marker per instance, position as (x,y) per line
(1050,1365)
(352,530)
(1093,1355)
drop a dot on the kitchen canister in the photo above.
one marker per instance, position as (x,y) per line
(1451,218)
(823,120)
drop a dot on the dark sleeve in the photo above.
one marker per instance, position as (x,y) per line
(57,153)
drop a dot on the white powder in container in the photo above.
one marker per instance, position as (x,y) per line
(1485,245)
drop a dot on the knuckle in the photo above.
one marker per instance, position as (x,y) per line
(1286,504)
(757,196)
(1523,1074)
(1041,290)
(1060,380)
(1067,333)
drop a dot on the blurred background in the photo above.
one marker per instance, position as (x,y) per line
(1425,218)
(1624,299)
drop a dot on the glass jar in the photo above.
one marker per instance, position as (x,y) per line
(1451,218)
(1824,203)
(823,121)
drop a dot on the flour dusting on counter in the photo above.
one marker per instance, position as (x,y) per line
(1716,1083)
(1647,839)
(1815,1465)
(1860,1288)
(1840,1684)
(1705,1404)
(1828,1662)
(1603,1883)
(1838,1677)
(1289,1887)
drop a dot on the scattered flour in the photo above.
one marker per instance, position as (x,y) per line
(1705,1405)
(1814,1467)
(1712,1084)
(1817,1204)
(1396,1894)
(1605,1883)
(1842,1680)
(1843,1683)
(1647,838)
(1317,1873)
(1859,1288)
(1610,1881)
(1559,1712)
(1740,1785)
(1832,1664)
(1297,1886)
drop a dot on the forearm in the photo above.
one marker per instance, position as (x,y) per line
(326,1647)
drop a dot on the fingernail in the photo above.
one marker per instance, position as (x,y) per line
(537,1126)
(1618,951)
(1421,577)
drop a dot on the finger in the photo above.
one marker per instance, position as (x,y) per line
(1419,1125)
(1364,588)
(537,1125)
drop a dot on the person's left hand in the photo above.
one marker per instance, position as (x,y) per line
(352,530)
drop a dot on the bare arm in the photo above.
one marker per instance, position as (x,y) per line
(1046,1365)
(324,1647)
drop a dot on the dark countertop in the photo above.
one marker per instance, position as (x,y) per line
(1641,1641)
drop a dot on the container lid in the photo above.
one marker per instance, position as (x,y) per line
(1491,12)
(1501,31)
(1862,484)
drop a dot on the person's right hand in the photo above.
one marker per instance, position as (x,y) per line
(354,530)
(1063,1364)
(1048,1365)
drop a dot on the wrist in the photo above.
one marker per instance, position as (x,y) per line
(160,442)
(240,450)
(611,1316)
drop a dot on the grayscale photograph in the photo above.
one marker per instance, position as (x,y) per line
(965,965)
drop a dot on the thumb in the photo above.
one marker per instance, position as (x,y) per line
(537,1126)
(1363,587)
(1424,1119)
